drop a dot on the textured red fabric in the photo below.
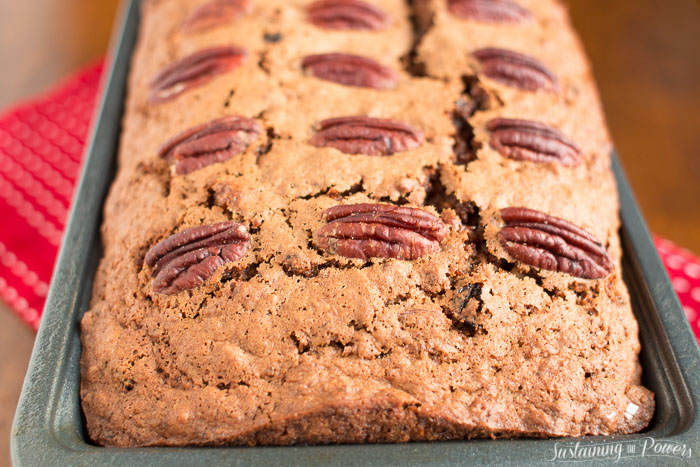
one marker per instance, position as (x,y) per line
(684,270)
(41,146)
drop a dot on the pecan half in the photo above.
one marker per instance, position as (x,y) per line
(194,70)
(516,70)
(215,141)
(548,242)
(526,140)
(188,258)
(350,70)
(365,135)
(380,231)
(347,14)
(216,13)
(495,11)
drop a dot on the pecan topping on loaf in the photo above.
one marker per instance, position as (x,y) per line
(548,242)
(496,11)
(350,70)
(380,231)
(516,70)
(526,140)
(188,258)
(209,143)
(195,70)
(347,14)
(216,13)
(365,135)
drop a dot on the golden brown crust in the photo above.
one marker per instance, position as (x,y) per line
(293,344)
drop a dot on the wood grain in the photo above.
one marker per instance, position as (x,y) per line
(46,40)
(646,58)
(16,341)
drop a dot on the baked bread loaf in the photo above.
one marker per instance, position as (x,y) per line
(345,221)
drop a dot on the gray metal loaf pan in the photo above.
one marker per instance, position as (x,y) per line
(49,428)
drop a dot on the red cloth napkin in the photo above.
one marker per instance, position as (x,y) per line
(41,147)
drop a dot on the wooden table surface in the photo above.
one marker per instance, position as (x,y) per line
(646,57)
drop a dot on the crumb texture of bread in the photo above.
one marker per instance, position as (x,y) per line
(383,324)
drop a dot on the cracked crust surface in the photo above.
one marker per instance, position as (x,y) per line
(293,345)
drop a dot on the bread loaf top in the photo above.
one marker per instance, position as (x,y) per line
(360,221)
